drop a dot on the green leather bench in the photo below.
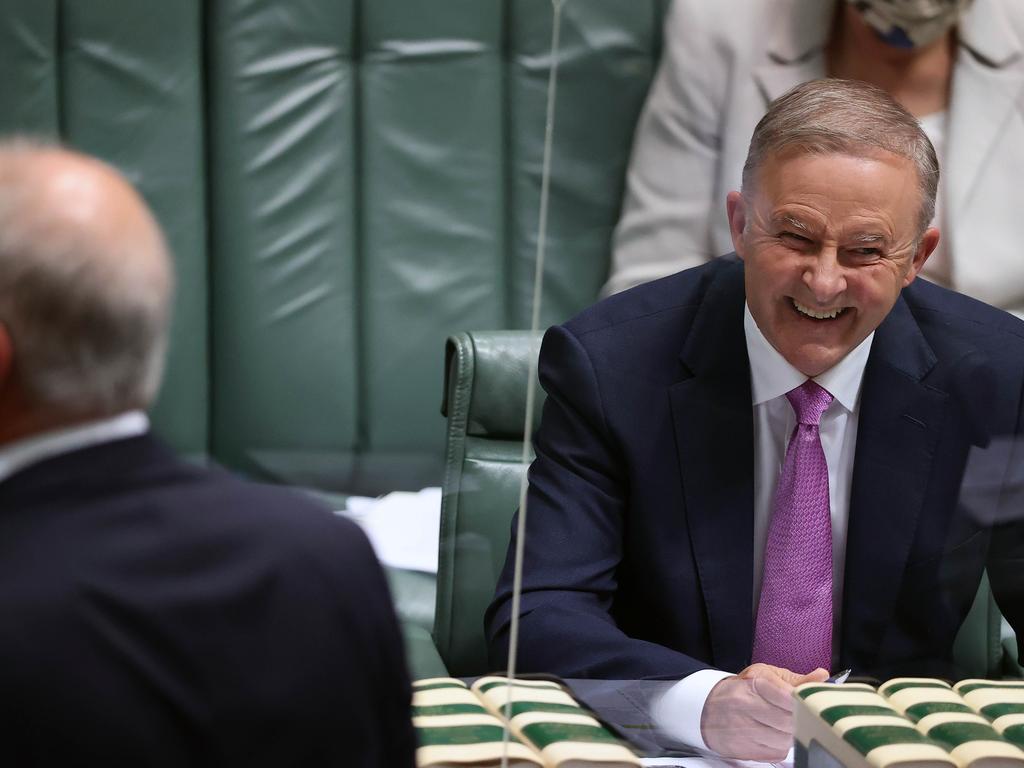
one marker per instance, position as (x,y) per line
(344,183)
(486,406)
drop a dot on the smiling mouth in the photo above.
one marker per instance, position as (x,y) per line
(830,314)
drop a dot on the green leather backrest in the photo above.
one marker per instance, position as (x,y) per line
(345,183)
(486,405)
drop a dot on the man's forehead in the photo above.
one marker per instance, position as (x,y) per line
(781,162)
(867,225)
(808,185)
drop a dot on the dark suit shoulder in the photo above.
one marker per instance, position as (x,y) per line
(678,293)
(642,332)
(978,356)
(164,597)
(946,316)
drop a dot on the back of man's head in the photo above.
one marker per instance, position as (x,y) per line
(85,286)
(844,117)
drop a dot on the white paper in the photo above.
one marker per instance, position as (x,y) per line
(710,762)
(404,528)
(356,507)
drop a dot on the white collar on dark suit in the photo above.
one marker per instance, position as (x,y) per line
(21,454)
(678,711)
(771,377)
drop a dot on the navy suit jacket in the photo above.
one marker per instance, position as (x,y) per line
(161,614)
(639,549)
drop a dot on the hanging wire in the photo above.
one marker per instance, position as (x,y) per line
(531,384)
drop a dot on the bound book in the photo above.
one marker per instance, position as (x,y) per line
(911,723)
(459,725)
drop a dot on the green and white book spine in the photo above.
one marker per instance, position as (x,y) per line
(860,728)
(914,723)
(943,715)
(547,728)
(454,728)
(1001,702)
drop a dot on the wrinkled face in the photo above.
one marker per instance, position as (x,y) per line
(828,241)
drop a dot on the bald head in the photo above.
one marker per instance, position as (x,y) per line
(85,284)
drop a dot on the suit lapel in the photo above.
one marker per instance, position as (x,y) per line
(984,99)
(900,422)
(713,422)
(797,33)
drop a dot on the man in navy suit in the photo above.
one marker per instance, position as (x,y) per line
(749,472)
(155,612)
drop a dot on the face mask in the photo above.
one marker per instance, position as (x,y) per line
(910,23)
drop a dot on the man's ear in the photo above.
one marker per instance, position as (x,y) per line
(925,247)
(736,210)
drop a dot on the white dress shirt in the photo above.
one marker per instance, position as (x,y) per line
(21,454)
(678,712)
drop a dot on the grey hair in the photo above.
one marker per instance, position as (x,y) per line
(88,316)
(848,117)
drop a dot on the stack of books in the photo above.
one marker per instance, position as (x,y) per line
(459,725)
(911,723)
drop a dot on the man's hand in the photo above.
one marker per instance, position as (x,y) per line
(750,716)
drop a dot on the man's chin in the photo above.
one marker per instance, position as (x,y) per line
(814,362)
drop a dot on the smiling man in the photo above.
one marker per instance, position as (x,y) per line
(748,473)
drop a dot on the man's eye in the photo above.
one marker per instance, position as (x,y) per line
(793,237)
(867,252)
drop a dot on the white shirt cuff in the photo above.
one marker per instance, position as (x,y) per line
(677,713)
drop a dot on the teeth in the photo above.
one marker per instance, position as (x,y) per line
(830,315)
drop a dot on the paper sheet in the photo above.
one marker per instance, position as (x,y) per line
(712,762)
(402,527)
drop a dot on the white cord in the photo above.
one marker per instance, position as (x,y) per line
(531,384)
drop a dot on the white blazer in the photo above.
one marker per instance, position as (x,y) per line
(724,60)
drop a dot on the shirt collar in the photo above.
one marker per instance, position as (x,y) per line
(22,453)
(771,376)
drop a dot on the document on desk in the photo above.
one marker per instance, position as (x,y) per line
(402,527)
(709,762)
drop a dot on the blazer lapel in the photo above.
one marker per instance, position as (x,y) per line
(899,425)
(713,421)
(985,95)
(797,35)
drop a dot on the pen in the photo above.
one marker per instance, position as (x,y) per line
(839,677)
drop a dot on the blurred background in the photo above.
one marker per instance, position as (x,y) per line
(344,184)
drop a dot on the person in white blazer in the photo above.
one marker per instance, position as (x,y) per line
(724,61)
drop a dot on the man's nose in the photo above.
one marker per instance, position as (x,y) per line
(825,277)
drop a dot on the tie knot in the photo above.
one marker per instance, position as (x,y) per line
(809,401)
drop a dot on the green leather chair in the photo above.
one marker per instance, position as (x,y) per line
(485,401)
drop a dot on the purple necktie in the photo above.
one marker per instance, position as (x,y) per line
(794,616)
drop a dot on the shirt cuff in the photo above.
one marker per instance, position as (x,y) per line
(677,713)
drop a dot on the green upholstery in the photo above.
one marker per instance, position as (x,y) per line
(344,183)
(485,403)
(421,653)
(986,645)
(124,81)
